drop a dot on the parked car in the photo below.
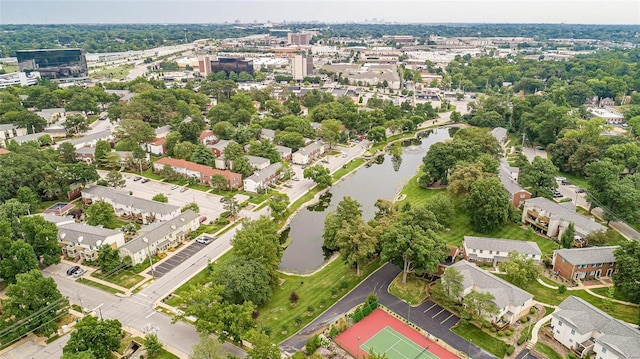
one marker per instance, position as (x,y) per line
(79,273)
(221,199)
(557,194)
(137,178)
(205,240)
(203,219)
(288,185)
(561,178)
(566,182)
(72,270)
(174,186)
(183,189)
(145,180)
(540,148)
(580,190)
(296,179)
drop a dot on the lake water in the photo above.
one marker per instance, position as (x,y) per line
(366,185)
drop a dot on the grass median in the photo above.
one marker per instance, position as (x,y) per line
(100,286)
(485,341)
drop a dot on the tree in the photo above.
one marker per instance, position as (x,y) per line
(101,152)
(67,152)
(99,336)
(134,131)
(83,102)
(263,347)
(539,177)
(442,207)
(568,236)
(245,281)
(152,344)
(347,214)
(114,179)
(242,166)
(628,264)
(356,244)
(100,213)
(279,202)
(264,148)
(218,182)
(412,249)
(191,206)
(108,259)
(184,150)
(168,173)
(87,354)
(520,269)
(330,131)
(479,306)
(233,151)
(463,177)
(259,240)
(76,124)
(488,205)
(377,134)
(319,174)
(207,348)
(43,238)
(32,293)
(224,130)
(81,173)
(160,197)
(622,200)
(600,175)
(20,258)
(232,206)
(203,156)
(214,315)
(451,282)
(293,140)
(26,195)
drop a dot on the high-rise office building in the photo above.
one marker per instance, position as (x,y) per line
(56,64)
(232,64)
(299,38)
(302,67)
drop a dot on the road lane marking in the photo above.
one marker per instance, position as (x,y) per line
(152,313)
(142,294)
(98,307)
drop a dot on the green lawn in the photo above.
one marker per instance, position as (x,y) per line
(417,195)
(547,351)
(483,340)
(123,278)
(552,296)
(616,293)
(414,291)
(315,290)
(115,73)
(100,286)
(9,68)
(351,165)
(576,180)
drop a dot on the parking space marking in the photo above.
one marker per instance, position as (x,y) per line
(428,309)
(438,313)
(450,315)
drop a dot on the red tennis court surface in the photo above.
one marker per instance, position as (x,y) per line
(375,322)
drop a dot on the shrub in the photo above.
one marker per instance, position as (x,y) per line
(357,316)
(267,330)
(299,355)
(508,333)
(297,320)
(521,340)
(510,349)
(222,221)
(532,310)
(333,332)
(323,303)
(562,288)
(371,298)
(501,334)
(366,310)
(344,285)
(493,330)
(312,344)
(310,309)
(293,298)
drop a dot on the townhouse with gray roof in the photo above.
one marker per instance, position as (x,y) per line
(285,152)
(509,178)
(307,154)
(127,206)
(159,237)
(263,178)
(80,240)
(587,330)
(512,302)
(585,263)
(495,250)
(551,218)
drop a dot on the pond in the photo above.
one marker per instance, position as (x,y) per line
(384,178)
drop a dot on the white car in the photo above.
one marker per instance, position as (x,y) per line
(78,273)
(174,186)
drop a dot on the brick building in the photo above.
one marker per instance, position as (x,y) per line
(585,263)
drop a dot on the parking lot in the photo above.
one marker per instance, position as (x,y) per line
(210,205)
(169,263)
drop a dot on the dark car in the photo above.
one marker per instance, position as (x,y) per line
(137,178)
(72,270)
(557,194)
(222,200)
(145,180)
(566,183)
(580,190)
(540,148)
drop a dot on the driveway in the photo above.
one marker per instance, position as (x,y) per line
(173,261)
(429,316)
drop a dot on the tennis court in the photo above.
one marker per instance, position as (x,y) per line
(396,345)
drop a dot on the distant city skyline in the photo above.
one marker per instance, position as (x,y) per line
(359,11)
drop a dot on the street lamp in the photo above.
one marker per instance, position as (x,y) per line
(409,315)
(146,240)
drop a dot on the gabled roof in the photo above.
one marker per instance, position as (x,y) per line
(310,148)
(162,130)
(614,334)
(256,160)
(84,234)
(504,292)
(123,198)
(88,138)
(158,231)
(282,150)
(502,245)
(202,169)
(556,211)
(588,255)
(500,133)
(265,173)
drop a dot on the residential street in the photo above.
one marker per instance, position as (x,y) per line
(437,323)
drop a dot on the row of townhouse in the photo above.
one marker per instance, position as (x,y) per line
(88,156)
(79,240)
(159,237)
(495,251)
(551,219)
(307,154)
(512,302)
(200,172)
(126,205)
(585,263)
(590,332)
(263,178)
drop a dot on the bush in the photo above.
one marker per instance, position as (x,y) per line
(312,344)
(334,291)
(371,298)
(310,309)
(297,320)
(293,298)
(333,332)
(493,330)
(501,334)
(532,310)
(508,333)
(222,221)
(299,355)
(510,349)
(521,340)
(562,288)
(344,285)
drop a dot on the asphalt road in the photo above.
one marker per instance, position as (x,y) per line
(429,316)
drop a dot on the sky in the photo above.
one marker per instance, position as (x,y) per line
(332,11)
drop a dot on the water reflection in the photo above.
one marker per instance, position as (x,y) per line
(323,203)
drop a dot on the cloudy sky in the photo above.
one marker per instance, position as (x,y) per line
(416,11)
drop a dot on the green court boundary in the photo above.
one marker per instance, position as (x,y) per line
(400,353)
